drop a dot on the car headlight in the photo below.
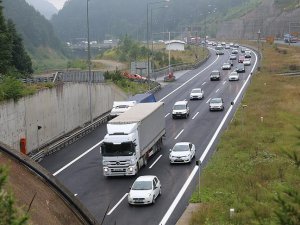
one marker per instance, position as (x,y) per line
(105,169)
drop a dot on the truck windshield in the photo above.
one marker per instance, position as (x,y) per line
(123,149)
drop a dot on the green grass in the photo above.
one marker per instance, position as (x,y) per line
(250,167)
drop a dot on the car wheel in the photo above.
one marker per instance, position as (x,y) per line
(153,200)
(186,116)
(173,117)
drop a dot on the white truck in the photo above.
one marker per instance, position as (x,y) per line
(132,138)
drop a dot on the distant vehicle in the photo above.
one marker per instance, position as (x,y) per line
(223,43)
(181,110)
(219,52)
(197,93)
(231,44)
(144,190)
(232,57)
(247,54)
(240,68)
(247,62)
(236,45)
(216,104)
(288,38)
(234,51)
(226,66)
(227,46)
(230,62)
(215,75)
(241,59)
(219,47)
(233,76)
(182,152)
(120,107)
(243,50)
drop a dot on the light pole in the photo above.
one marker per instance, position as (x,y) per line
(148,60)
(258,39)
(198,163)
(89,59)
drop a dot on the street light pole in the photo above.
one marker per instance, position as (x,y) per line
(148,60)
(89,59)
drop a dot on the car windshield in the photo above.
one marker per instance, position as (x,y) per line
(216,100)
(180,148)
(123,149)
(179,107)
(233,74)
(142,185)
(196,91)
(226,64)
(215,73)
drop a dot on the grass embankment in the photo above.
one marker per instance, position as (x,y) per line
(257,160)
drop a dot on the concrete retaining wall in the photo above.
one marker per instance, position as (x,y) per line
(58,111)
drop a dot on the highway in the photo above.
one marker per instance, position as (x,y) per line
(79,167)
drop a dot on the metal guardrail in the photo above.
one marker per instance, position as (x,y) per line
(75,206)
(75,136)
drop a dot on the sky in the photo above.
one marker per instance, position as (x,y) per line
(57,3)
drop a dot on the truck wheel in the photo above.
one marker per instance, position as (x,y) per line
(145,161)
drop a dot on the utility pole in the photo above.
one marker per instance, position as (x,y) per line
(89,59)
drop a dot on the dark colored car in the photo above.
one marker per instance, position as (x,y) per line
(215,75)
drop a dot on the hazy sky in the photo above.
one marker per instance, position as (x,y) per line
(57,3)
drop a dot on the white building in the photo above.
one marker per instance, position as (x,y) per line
(175,45)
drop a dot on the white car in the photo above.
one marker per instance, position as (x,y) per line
(226,66)
(144,190)
(247,62)
(233,76)
(182,152)
(197,93)
(180,109)
(216,104)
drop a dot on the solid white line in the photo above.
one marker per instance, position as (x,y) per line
(76,159)
(178,197)
(119,202)
(208,100)
(217,90)
(184,187)
(167,115)
(204,83)
(224,82)
(179,134)
(195,115)
(155,161)
(189,80)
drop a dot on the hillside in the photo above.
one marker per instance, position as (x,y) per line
(36,31)
(271,18)
(44,7)
(116,18)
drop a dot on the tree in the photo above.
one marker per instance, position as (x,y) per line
(20,59)
(5,45)
(8,213)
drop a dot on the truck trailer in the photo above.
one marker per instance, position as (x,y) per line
(132,138)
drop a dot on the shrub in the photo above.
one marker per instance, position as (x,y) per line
(11,88)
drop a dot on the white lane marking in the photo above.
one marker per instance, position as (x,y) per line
(208,100)
(76,159)
(178,197)
(195,115)
(75,195)
(188,181)
(224,82)
(119,202)
(189,79)
(155,161)
(217,90)
(204,83)
(167,115)
(179,134)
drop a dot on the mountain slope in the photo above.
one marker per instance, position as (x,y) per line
(36,31)
(118,17)
(44,7)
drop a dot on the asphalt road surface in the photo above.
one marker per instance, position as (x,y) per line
(79,167)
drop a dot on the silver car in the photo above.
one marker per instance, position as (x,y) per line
(197,93)
(233,76)
(182,152)
(216,104)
